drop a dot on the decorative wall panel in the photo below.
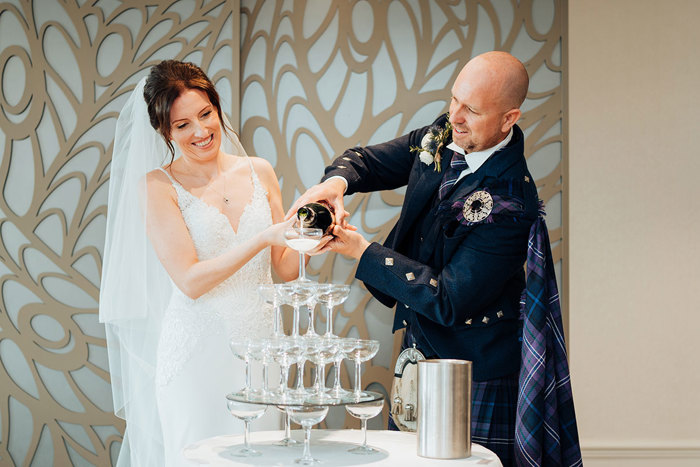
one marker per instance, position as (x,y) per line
(66,69)
(317,77)
(320,76)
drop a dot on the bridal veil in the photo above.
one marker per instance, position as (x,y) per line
(135,288)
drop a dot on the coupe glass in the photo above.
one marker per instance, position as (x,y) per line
(302,239)
(307,416)
(364,412)
(240,350)
(257,351)
(306,348)
(276,349)
(287,440)
(345,346)
(332,296)
(324,352)
(296,294)
(362,351)
(246,412)
(289,352)
(272,294)
(311,306)
(268,351)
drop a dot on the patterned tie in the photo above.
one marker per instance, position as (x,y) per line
(457,165)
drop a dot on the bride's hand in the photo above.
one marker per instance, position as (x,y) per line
(274,235)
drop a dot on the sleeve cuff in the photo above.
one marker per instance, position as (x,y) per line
(341,178)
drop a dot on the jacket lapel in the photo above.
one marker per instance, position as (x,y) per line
(421,192)
(418,194)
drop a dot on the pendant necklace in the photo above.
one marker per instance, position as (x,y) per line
(223,195)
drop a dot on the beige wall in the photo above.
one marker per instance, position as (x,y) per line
(634,77)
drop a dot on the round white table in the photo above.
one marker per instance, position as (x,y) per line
(397,448)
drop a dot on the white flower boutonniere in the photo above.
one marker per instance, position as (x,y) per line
(432,143)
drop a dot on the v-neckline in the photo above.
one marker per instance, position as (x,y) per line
(221,214)
(218,211)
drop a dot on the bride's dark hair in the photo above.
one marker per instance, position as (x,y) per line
(165,82)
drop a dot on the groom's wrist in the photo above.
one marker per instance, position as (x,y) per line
(338,180)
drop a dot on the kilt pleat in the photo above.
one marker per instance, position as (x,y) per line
(494,405)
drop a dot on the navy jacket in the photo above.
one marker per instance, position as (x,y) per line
(461,287)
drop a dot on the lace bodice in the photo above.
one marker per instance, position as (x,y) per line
(231,309)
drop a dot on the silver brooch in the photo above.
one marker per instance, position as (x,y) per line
(477,206)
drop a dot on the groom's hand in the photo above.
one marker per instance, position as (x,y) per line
(347,241)
(332,190)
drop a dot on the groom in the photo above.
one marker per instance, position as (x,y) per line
(453,263)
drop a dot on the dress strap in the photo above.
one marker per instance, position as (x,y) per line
(257,184)
(172,180)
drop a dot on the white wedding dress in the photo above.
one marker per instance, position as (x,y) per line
(195,367)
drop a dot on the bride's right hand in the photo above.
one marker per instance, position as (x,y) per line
(274,235)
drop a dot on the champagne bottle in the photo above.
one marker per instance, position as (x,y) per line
(316,216)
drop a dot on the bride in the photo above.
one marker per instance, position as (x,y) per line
(171,304)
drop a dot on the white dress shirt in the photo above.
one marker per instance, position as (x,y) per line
(477,158)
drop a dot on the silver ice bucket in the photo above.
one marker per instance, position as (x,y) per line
(444,408)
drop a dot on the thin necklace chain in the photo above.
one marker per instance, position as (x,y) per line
(223,195)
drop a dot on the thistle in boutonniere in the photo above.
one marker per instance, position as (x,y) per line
(433,143)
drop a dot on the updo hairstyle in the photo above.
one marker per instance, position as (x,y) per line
(165,82)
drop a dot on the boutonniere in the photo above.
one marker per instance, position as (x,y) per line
(433,143)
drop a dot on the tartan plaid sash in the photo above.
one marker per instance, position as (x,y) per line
(545,426)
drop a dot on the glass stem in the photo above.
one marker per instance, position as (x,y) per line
(320,377)
(295,324)
(357,378)
(246,434)
(247,374)
(284,376)
(277,326)
(336,385)
(307,442)
(364,431)
(264,382)
(329,319)
(311,328)
(302,267)
(300,375)
(287,426)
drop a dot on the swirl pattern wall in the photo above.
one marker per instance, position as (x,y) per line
(315,77)
(67,68)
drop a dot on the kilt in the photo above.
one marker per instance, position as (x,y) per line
(494,405)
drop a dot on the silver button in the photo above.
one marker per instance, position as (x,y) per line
(404,323)
(388,261)
(405,305)
(527,179)
(485,320)
(346,159)
(499,314)
(410,276)
(468,322)
(433,282)
(342,167)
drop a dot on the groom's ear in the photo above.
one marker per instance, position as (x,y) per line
(509,119)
